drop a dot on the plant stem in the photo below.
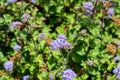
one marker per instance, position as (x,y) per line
(35,45)
(64,61)
(72,49)
(102,25)
(61,68)
(94,9)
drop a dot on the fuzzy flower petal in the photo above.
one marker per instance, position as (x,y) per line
(41,36)
(8,66)
(25,17)
(17,47)
(68,74)
(11,1)
(15,24)
(26,77)
(110,12)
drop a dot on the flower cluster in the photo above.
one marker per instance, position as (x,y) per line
(118,45)
(41,36)
(60,42)
(117,71)
(8,66)
(51,76)
(33,1)
(100,1)
(11,1)
(17,47)
(26,77)
(90,62)
(110,12)
(15,24)
(5,4)
(88,7)
(68,74)
(83,31)
(116,58)
(25,17)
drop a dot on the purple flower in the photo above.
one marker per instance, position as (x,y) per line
(17,47)
(118,75)
(60,42)
(8,66)
(90,62)
(68,74)
(61,36)
(88,12)
(117,71)
(88,5)
(25,17)
(110,12)
(54,45)
(26,77)
(5,4)
(116,58)
(118,45)
(100,1)
(15,24)
(33,1)
(12,1)
(41,35)
(83,31)
(67,45)
(51,76)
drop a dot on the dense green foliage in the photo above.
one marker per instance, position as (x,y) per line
(92,54)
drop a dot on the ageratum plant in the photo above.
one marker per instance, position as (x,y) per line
(59,40)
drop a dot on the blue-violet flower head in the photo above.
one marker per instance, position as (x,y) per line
(88,5)
(110,12)
(26,77)
(61,36)
(33,1)
(11,1)
(25,17)
(17,47)
(100,1)
(68,74)
(116,58)
(117,71)
(67,45)
(54,45)
(83,31)
(15,24)
(41,36)
(8,65)
(118,45)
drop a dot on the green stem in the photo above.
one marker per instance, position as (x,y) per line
(63,59)
(72,49)
(35,45)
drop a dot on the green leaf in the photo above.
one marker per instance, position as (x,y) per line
(60,30)
(8,18)
(2,57)
(76,58)
(1,20)
(59,8)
